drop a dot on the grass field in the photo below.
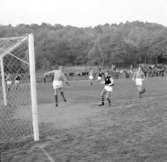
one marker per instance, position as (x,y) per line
(131,130)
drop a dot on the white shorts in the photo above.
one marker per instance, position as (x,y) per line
(108,88)
(17,81)
(9,82)
(57,84)
(90,77)
(139,81)
(99,78)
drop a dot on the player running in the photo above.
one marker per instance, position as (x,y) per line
(8,79)
(107,90)
(131,71)
(100,75)
(17,81)
(58,79)
(139,77)
(91,77)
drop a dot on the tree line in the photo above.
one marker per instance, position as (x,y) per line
(121,44)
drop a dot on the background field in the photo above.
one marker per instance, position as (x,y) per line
(131,130)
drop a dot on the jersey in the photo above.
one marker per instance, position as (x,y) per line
(109,81)
(18,78)
(91,73)
(59,76)
(139,75)
(100,74)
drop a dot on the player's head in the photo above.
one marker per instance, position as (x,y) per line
(60,68)
(55,67)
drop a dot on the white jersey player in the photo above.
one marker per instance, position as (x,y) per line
(8,79)
(58,79)
(139,77)
(91,77)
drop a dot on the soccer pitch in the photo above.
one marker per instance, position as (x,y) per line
(131,130)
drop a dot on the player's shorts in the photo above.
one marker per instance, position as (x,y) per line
(9,82)
(91,77)
(108,88)
(17,81)
(99,78)
(139,81)
(57,84)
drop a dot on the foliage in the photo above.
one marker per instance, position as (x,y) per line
(129,43)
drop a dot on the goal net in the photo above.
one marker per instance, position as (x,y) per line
(18,89)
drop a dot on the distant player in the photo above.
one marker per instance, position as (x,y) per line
(17,81)
(91,77)
(8,82)
(107,90)
(139,77)
(58,79)
(131,70)
(100,75)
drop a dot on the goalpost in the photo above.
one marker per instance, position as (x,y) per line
(18,80)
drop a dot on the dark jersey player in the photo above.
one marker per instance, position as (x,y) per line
(107,90)
(17,81)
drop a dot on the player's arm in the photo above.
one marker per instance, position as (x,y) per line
(143,76)
(112,82)
(65,79)
(49,72)
(134,76)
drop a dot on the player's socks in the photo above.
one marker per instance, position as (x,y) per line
(143,91)
(109,102)
(102,101)
(62,94)
(140,94)
(56,100)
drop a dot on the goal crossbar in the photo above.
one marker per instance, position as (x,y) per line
(12,38)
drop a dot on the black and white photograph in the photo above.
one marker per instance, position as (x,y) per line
(83,81)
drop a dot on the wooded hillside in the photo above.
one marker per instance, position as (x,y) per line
(129,43)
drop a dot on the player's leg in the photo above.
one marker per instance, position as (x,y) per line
(56,96)
(62,94)
(143,90)
(91,80)
(44,79)
(139,88)
(7,87)
(55,88)
(108,97)
(103,92)
(9,84)
(16,84)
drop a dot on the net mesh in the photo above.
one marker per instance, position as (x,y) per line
(17,81)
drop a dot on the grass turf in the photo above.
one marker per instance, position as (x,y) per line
(131,130)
